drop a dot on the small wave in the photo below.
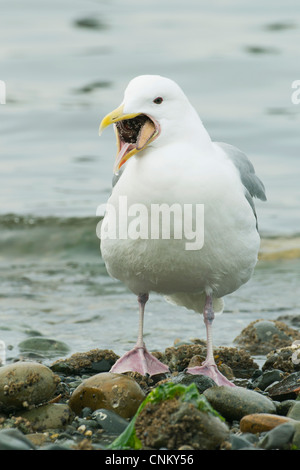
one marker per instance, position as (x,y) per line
(49,237)
(75,237)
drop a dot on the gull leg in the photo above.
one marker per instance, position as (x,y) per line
(209,366)
(139,359)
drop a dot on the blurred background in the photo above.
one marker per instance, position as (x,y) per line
(65,65)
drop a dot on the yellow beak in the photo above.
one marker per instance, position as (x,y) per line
(115,116)
(112,118)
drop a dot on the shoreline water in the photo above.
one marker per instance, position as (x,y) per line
(53,281)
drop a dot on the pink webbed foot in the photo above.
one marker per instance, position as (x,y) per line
(210,370)
(209,367)
(139,360)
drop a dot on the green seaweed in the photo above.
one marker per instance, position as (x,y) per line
(190,394)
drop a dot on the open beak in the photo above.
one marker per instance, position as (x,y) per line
(133,131)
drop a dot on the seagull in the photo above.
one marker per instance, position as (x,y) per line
(167,160)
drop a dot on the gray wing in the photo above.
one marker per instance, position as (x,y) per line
(115,179)
(253,185)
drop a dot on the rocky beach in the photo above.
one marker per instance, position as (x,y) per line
(75,403)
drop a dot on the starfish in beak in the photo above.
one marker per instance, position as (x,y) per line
(134,132)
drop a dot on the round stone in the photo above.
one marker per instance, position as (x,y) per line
(279,438)
(13,439)
(45,346)
(26,383)
(262,422)
(263,336)
(50,416)
(235,402)
(172,424)
(294,411)
(115,392)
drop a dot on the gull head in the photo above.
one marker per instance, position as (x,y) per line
(154,108)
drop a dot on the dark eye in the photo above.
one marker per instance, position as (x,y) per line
(158,100)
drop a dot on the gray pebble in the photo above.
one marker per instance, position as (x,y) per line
(296,438)
(278,438)
(294,411)
(239,442)
(56,446)
(266,330)
(235,402)
(267,378)
(86,412)
(202,382)
(283,407)
(285,389)
(110,421)
(49,416)
(13,439)
(48,347)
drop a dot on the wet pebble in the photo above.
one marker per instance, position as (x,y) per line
(241,442)
(283,407)
(26,383)
(296,437)
(178,358)
(183,424)
(39,439)
(278,438)
(261,336)
(202,382)
(294,411)
(13,439)
(109,421)
(288,388)
(50,416)
(235,402)
(115,392)
(261,422)
(47,347)
(96,360)
(286,359)
(267,378)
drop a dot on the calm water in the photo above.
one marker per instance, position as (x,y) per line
(66,65)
